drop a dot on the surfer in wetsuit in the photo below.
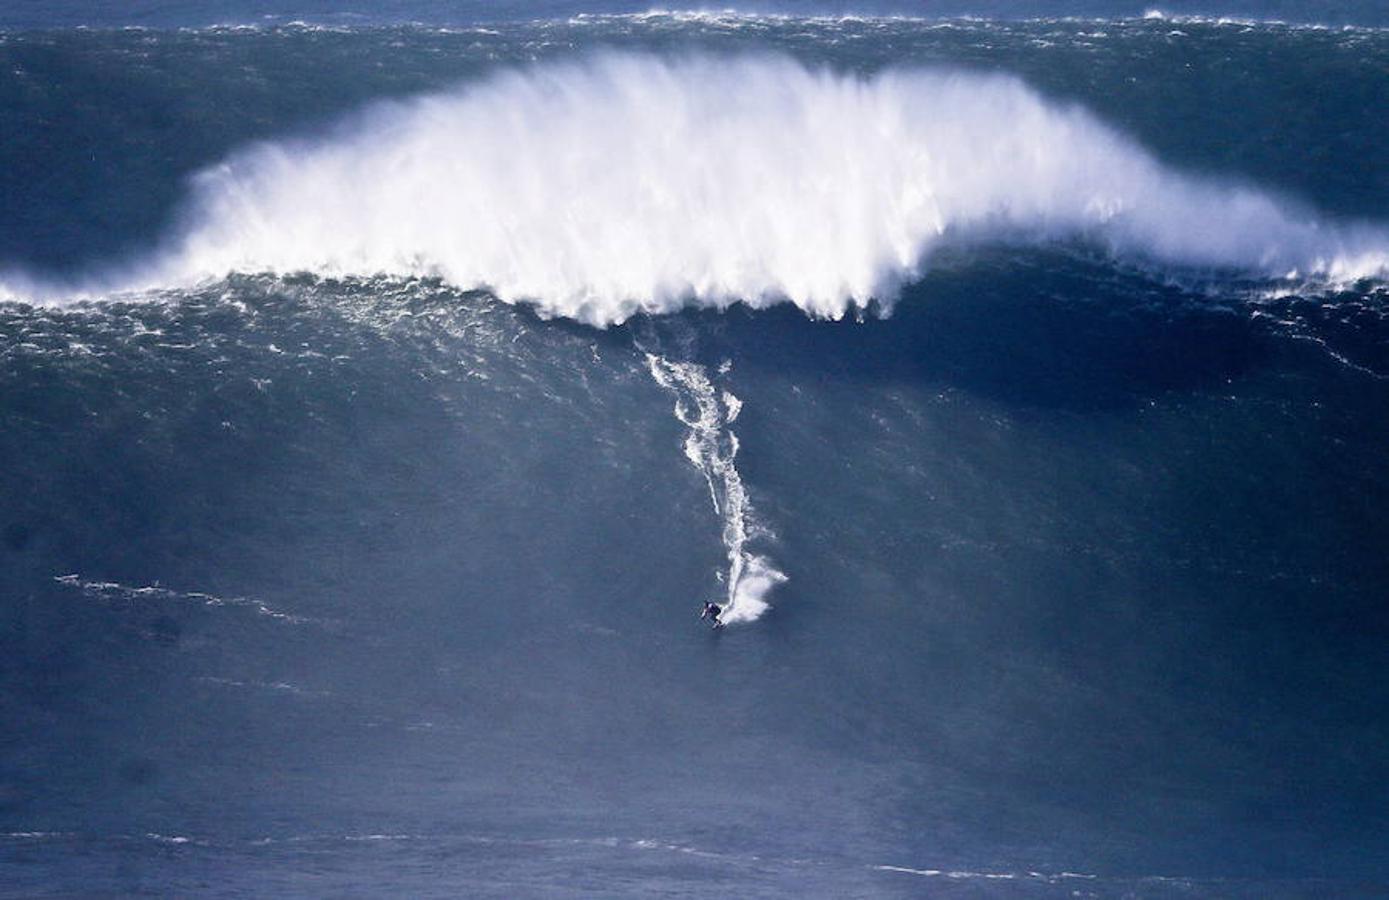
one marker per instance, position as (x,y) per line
(712,611)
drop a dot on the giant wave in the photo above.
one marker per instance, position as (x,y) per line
(617,184)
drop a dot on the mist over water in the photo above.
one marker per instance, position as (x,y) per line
(619,184)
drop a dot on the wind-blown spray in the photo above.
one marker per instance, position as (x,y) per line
(615,184)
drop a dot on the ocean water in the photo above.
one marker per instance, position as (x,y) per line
(382,395)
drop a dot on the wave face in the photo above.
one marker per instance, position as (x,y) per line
(628,183)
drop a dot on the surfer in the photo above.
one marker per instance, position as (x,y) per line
(712,611)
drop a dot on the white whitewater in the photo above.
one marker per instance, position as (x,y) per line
(711,447)
(616,184)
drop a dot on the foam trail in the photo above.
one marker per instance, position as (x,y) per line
(112,591)
(711,447)
(615,184)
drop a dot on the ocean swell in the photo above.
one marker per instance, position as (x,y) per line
(615,184)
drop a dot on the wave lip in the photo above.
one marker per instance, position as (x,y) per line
(618,184)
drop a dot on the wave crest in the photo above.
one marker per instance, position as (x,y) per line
(599,188)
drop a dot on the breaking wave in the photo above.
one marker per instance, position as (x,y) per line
(599,188)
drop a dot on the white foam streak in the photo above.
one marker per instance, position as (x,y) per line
(623,183)
(112,591)
(712,448)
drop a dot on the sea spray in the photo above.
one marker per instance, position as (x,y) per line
(615,184)
(711,447)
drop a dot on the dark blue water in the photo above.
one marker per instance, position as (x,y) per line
(363,468)
(183,14)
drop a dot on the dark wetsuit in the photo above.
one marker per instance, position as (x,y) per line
(712,612)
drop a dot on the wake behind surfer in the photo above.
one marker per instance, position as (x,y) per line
(712,611)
